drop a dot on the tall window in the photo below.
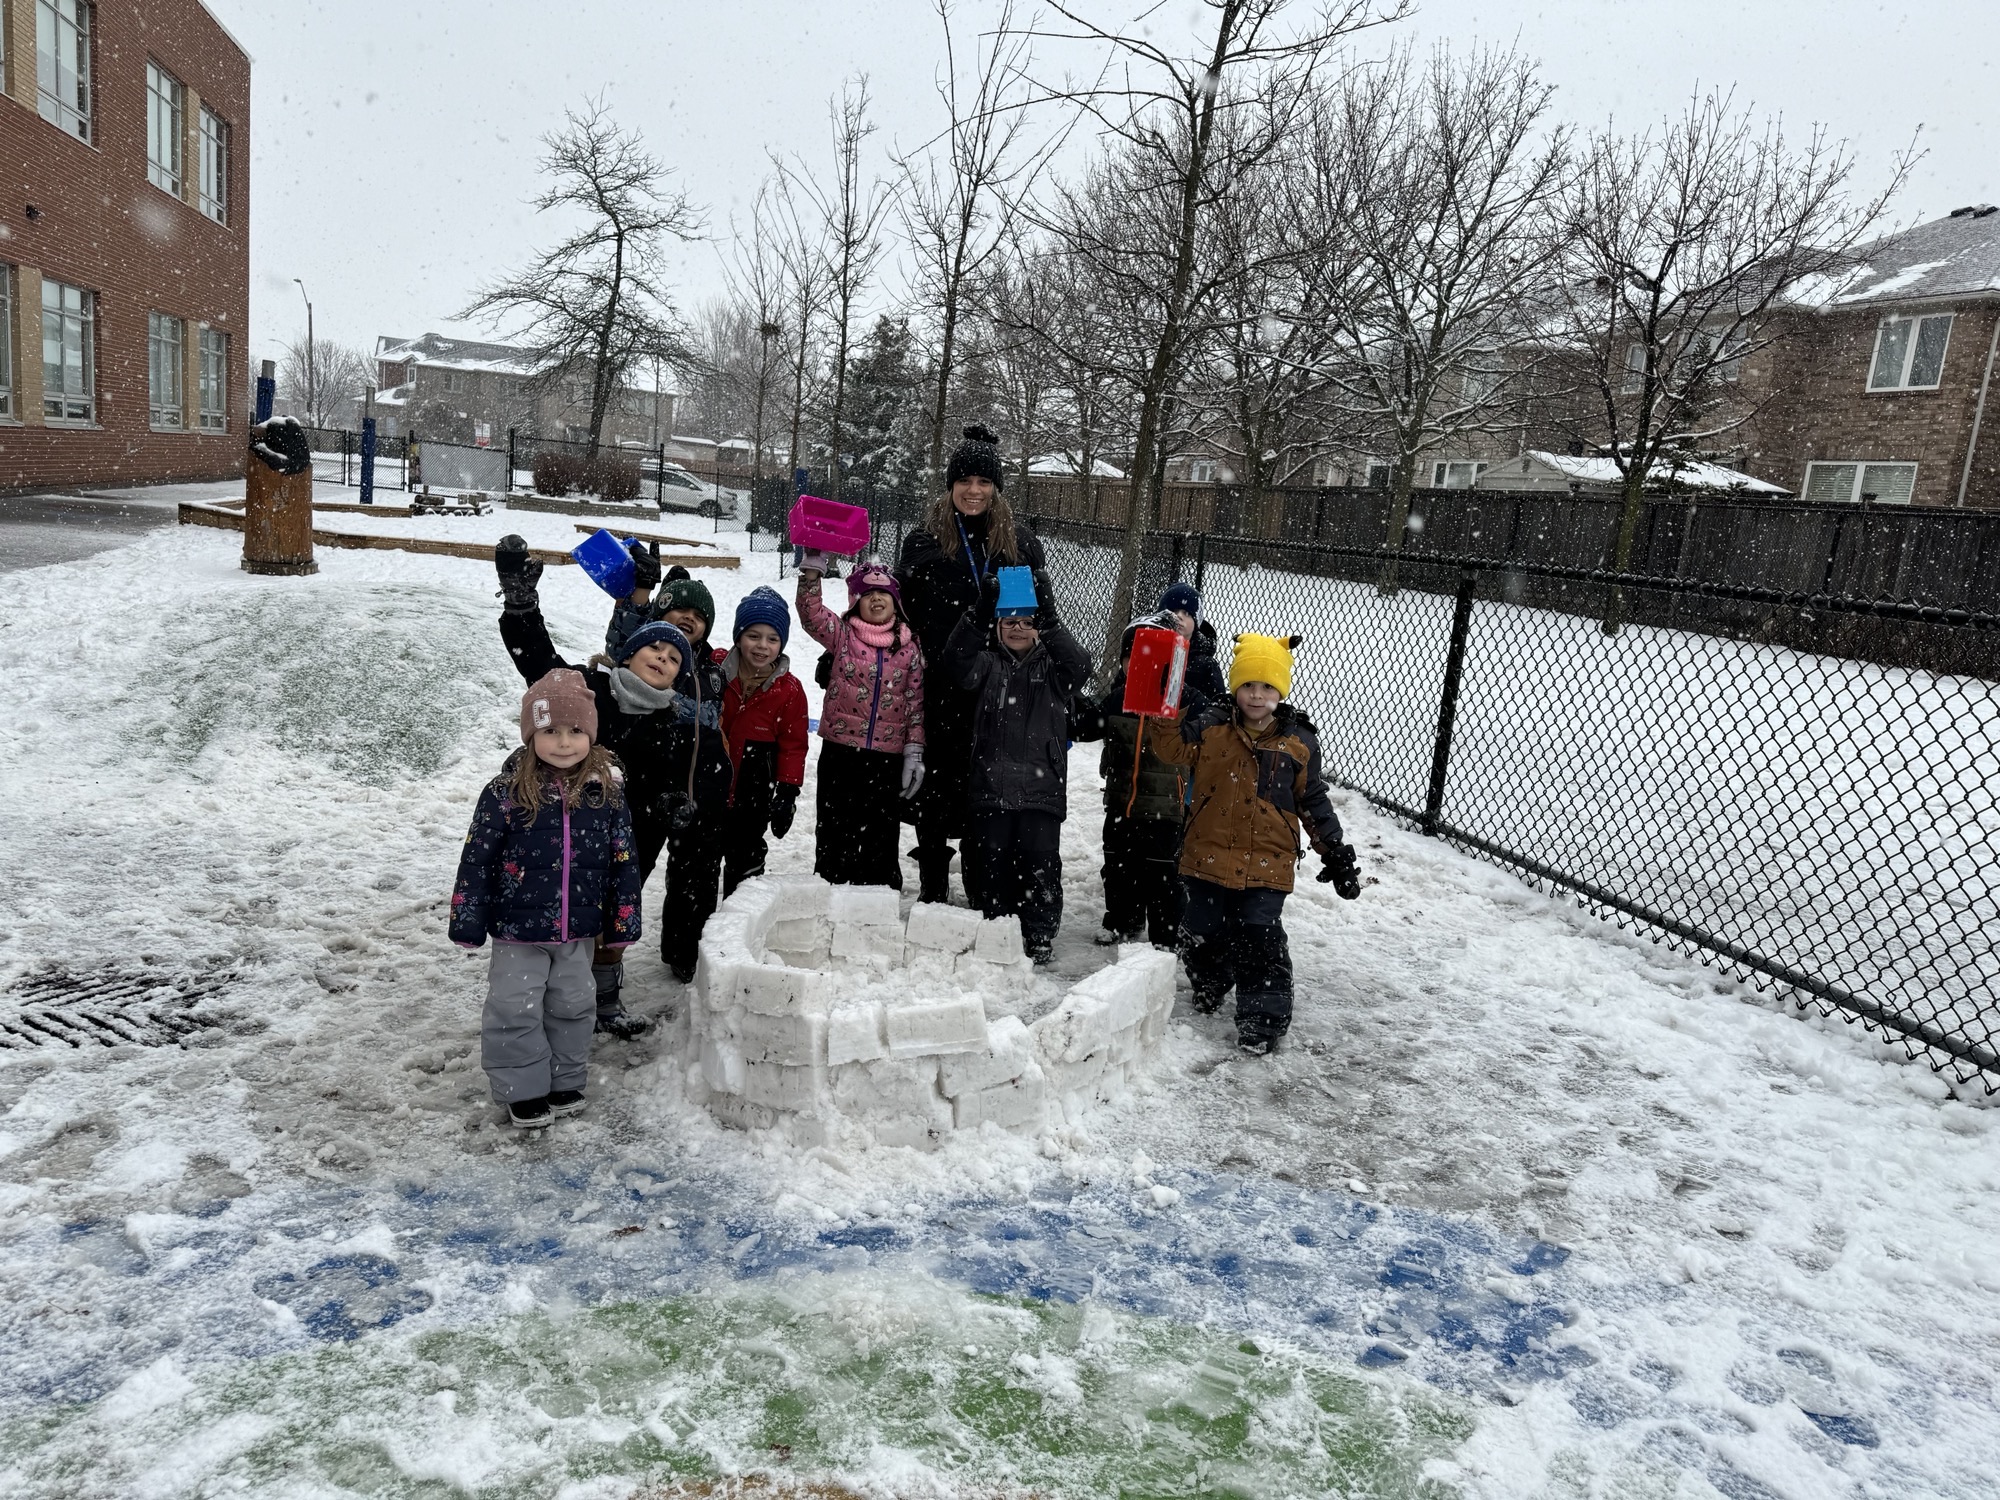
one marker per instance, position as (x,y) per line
(1909,353)
(214,380)
(165,104)
(7,341)
(166,346)
(1853,483)
(69,358)
(214,166)
(1634,380)
(62,63)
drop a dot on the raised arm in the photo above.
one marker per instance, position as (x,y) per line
(821,623)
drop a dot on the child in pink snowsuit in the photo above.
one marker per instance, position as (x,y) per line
(871,724)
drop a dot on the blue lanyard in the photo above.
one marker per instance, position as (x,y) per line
(978,573)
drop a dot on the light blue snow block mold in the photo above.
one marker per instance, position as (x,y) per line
(1017,591)
(605,559)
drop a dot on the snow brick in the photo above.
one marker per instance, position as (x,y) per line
(943,929)
(792,936)
(940,1026)
(715,973)
(802,895)
(855,1035)
(977,973)
(721,1067)
(864,906)
(1076,1078)
(1121,990)
(739,1113)
(773,990)
(1158,967)
(1021,1104)
(854,941)
(999,940)
(1009,1053)
(1072,1031)
(782,1086)
(797,1041)
(885,1089)
(923,1131)
(1125,1045)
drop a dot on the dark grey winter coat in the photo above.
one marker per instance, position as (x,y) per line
(1020,716)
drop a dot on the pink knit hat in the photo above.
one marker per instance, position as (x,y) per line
(560,697)
(873,577)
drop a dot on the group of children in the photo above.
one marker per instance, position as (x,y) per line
(664,743)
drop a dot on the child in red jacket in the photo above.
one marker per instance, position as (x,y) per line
(764,725)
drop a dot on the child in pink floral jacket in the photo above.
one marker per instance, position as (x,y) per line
(871,724)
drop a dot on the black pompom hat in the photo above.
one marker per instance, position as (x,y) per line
(977,457)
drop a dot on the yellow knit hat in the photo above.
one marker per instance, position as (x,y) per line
(1263,658)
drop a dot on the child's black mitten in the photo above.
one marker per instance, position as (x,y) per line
(519,573)
(679,808)
(645,565)
(1342,872)
(784,804)
(989,601)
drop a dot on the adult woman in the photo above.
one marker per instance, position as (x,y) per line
(969,533)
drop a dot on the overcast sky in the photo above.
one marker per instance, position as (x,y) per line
(394,141)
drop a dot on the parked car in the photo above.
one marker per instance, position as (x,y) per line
(680,490)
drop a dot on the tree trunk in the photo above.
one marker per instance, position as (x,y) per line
(600,395)
(1401,483)
(1616,603)
(946,342)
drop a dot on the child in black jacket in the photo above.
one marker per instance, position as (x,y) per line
(1145,803)
(1022,672)
(666,729)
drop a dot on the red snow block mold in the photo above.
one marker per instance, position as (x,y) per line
(1159,666)
(828,526)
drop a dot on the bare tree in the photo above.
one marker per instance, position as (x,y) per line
(1677,245)
(757,279)
(1185,129)
(851,212)
(324,392)
(948,208)
(597,304)
(1437,181)
(802,273)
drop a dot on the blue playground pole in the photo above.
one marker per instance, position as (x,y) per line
(367,460)
(267,390)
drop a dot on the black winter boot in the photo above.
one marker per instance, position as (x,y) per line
(622,1024)
(528,1114)
(934,875)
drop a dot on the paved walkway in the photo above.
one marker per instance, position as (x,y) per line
(61,526)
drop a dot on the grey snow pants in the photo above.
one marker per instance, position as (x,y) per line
(541,1007)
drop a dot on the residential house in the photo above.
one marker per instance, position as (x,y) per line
(465,391)
(124,243)
(1881,384)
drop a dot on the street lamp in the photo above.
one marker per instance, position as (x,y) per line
(312,382)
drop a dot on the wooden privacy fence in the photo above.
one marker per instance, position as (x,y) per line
(1946,558)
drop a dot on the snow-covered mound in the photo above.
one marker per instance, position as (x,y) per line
(820,1011)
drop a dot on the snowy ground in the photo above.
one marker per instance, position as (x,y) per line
(1527,1208)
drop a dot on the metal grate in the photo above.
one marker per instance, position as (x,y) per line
(107,1007)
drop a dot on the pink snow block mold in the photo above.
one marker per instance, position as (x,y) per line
(829,526)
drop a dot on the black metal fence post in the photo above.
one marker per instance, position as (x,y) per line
(1200,561)
(1454,669)
(510,460)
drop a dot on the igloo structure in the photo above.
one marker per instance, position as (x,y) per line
(820,1012)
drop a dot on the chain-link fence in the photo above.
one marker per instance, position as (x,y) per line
(1800,819)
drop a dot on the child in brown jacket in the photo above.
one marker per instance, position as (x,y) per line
(1257,780)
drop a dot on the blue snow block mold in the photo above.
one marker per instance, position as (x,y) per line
(604,558)
(1017,591)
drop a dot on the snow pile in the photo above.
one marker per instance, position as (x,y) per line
(820,1012)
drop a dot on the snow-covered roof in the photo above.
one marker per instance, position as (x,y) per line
(434,351)
(1956,256)
(1694,476)
(1070,466)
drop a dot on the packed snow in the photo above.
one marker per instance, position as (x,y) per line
(1525,1207)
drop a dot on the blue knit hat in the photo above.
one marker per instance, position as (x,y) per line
(763,605)
(660,633)
(1183,599)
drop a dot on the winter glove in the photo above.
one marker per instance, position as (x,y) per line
(519,574)
(913,770)
(815,562)
(784,805)
(679,808)
(1341,871)
(645,565)
(988,606)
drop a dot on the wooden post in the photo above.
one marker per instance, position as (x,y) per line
(277,512)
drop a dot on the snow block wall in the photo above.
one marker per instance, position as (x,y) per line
(820,1013)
